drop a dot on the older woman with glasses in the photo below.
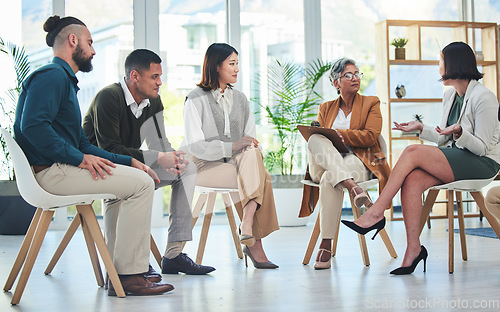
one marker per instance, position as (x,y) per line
(358,120)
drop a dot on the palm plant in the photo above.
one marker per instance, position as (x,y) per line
(8,100)
(292,102)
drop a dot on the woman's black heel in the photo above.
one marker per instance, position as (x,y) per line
(409,269)
(361,230)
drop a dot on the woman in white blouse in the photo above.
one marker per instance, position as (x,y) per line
(221,138)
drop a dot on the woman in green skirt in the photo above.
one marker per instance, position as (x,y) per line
(468,148)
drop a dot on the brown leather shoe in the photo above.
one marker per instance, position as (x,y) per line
(152,275)
(139,285)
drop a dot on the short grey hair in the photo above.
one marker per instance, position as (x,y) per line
(338,67)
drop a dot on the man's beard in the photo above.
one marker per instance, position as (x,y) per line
(84,64)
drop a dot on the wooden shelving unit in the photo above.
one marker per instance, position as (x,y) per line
(480,36)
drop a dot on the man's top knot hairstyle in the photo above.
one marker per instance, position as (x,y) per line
(54,24)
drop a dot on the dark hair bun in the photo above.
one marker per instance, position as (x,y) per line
(51,23)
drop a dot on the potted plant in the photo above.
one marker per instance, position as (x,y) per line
(399,43)
(292,101)
(15,213)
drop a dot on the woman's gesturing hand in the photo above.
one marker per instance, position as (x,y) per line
(408,126)
(455,129)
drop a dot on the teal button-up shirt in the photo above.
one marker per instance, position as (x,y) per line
(48,119)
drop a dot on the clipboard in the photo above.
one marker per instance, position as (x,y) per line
(331,134)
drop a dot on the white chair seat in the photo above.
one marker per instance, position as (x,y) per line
(364,185)
(207,189)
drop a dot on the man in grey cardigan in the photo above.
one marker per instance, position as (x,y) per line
(124,115)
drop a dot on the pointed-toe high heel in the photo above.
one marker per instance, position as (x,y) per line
(257,265)
(409,269)
(246,239)
(361,230)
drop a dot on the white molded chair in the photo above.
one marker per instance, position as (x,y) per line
(207,197)
(356,213)
(32,193)
(474,188)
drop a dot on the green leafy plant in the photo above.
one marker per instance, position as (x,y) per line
(8,99)
(399,42)
(292,102)
(418,117)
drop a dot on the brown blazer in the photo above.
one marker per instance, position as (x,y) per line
(362,136)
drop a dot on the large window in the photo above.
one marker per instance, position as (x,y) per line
(487,11)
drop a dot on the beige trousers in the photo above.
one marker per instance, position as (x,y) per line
(246,172)
(127,225)
(492,201)
(328,168)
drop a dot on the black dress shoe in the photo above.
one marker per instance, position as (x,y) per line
(152,275)
(139,285)
(183,264)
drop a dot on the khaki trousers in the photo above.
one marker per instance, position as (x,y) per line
(492,201)
(246,172)
(128,224)
(328,168)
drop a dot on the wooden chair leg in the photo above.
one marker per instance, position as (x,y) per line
(88,215)
(232,224)
(336,239)
(235,196)
(461,225)
(312,242)
(362,241)
(387,242)
(451,246)
(492,220)
(38,238)
(206,225)
(426,210)
(94,258)
(200,202)
(23,251)
(202,199)
(64,243)
(155,251)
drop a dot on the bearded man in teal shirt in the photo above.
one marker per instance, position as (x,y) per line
(48,129)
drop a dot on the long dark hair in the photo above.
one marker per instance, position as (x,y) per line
(460,62)
(216,54)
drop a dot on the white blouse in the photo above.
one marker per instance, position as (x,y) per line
(342,121)
(195,138)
